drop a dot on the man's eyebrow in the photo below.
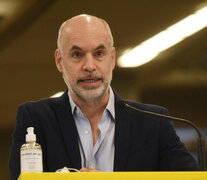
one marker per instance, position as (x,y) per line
(101,46)
(75,47)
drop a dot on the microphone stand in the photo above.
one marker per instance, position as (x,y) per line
(201,141)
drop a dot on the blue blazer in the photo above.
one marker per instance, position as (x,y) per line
(142,142)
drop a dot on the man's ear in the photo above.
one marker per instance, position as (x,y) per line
(58,60)
(113,56)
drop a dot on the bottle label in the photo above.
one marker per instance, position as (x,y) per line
(31,160)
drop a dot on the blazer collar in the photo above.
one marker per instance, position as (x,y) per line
(68,129)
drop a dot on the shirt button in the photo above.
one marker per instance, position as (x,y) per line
(78,111)
(86,132)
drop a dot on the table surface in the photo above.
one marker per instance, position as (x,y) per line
(201,175)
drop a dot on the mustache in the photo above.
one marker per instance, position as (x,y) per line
(92,75)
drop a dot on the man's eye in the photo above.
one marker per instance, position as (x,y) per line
(77,54)
(99,53)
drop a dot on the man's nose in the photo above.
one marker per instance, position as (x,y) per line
(89,63)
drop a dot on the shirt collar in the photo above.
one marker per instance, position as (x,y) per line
(110,105)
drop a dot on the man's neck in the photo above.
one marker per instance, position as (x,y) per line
(92,110)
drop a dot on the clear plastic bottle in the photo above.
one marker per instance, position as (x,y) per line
(31,153)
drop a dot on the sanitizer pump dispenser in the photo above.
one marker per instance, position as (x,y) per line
(31,153)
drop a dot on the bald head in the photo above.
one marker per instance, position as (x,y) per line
(83,23)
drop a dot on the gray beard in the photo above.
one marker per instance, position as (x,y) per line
(88,95)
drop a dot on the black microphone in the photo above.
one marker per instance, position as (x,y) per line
(201,142)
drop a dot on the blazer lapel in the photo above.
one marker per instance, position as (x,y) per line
(69,131)
(122,129)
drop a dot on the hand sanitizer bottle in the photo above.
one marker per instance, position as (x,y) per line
(31,153)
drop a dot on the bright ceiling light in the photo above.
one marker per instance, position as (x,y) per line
(150,48)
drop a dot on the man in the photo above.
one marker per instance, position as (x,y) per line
(89,127)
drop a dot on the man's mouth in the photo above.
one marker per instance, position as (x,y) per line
(89,80)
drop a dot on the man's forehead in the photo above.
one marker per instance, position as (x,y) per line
(85,28)
(86,38)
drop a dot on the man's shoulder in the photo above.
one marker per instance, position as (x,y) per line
(143,106)
(45,103)
(41,102)
(148,107)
